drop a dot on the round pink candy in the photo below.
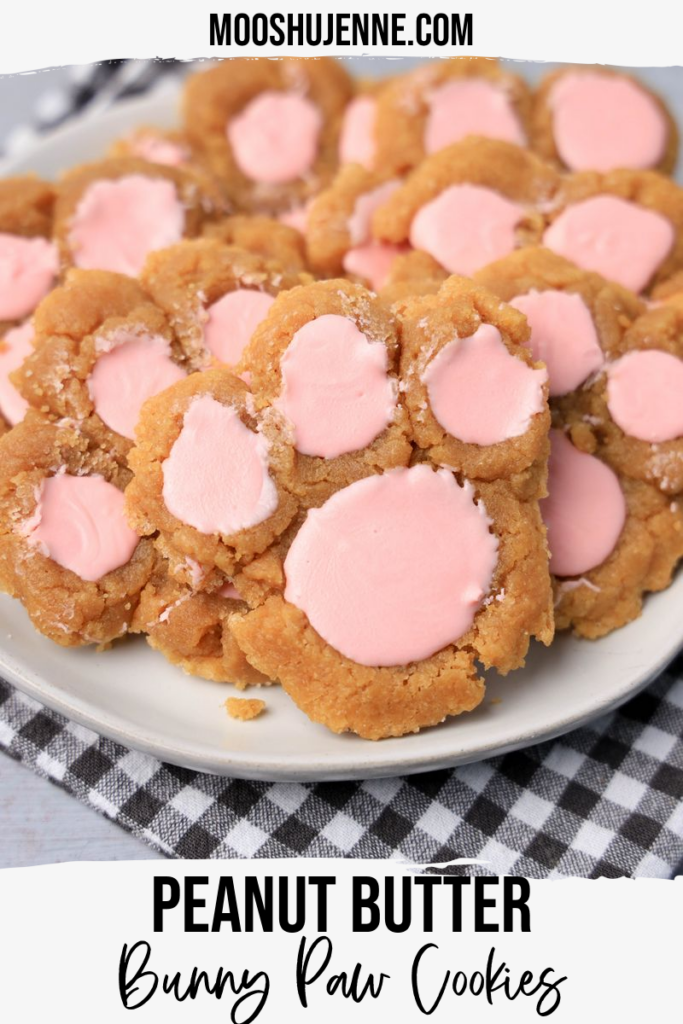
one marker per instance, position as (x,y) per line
(275,138)
(336,393)
(216,477)
(16,345)
(471,106)
(563,336)
(231,322)
(118,223)
(602,122)
(645,395)
(28,268)
(585,510)
(479,392)
(135,367)
(622,241)
(357,140)
(393,568)
(465,227)
(80,523)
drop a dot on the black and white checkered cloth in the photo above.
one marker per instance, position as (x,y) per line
(606,800)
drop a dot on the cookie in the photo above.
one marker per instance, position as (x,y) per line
(203,473)
(111,215)
(192,629)
(598,119)
(100,349)
(469,204)
(441,103)
(214,296)
(268,129)
(263,236)
(66,550)
(631,414)
(338,232)
(380,656)
(323,371)
(672,288)
(611,540)
(413,273)
(477,400)
(625,225)
(577,319)
(29,261)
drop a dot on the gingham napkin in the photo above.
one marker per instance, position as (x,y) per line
(606,800)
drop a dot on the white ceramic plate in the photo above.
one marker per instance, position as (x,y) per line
(132,695)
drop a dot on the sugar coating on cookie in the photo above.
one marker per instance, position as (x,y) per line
(563,336)
(264,236)
(622,241)
(216,476)
(644,395)
(336,392)
(16,345)
(275,138)
(118,223)
(602,122)
(28,269)
(585,510)
(470,107)
(383,528)
(133,367)
(481,393)
(79,523)
(466,227)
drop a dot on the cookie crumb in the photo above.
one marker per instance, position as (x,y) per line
(244,709)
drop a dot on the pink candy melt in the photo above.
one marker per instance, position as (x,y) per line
(28,267)
(159,151)
(466,227)
(232,321)
(275,138)
(230,591)
(372,261)
(136,368)
(80,524)
(14,348)
(393,568)
(360,221)
(563,336)
(624,242)
(118,223)
(601,122)
(470,107)
(644,395)
(479,392)
(585,510)
(297,217)
(216,478)
(357,140)
(335,390)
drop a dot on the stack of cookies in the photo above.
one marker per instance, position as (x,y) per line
(356,387)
